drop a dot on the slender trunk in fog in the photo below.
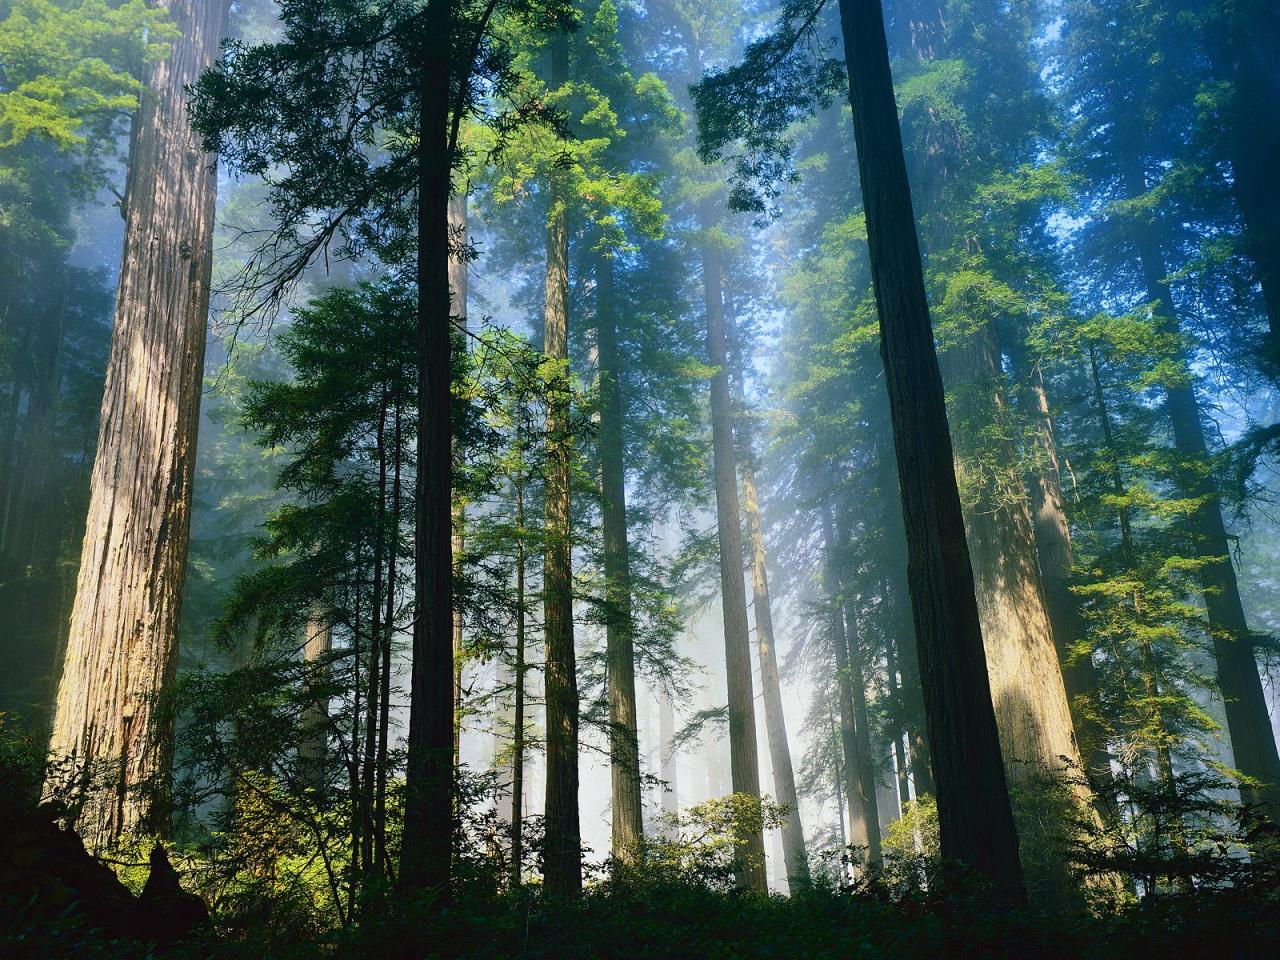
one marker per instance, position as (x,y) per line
(975,818)
(866,772)
(864,821)
(624,748)
(666,736)
(122,649)
(744,762)
(775,720)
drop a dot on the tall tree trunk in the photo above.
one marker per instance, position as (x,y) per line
(775,720)
(624,747)
(121,654)
(1253,743)
(458,308)
(1253,42)
(1053,547)
(562,867)
(860,789)
(975,818)
(744,763)
(1027,689)
(427,847)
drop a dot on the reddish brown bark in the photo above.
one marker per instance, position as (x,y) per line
(122,647)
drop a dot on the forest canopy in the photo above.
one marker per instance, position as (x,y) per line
(506,478)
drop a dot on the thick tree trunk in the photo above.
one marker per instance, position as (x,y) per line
(624,748)
(860,788)
(744,763)
(1253,744)
(1254,139)
(121,654)
(458,308)
(775,720)
(562,867)
(1022,660)
(975,819)
(1053,547)
(427,847)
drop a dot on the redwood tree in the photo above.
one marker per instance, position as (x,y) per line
(110,720)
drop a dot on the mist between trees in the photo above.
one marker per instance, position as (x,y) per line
(783,477)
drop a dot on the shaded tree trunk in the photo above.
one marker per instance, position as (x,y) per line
(1253,29)
(975,818)
(775,720)
(744,763)
(121,653)
(427,847)
(562,867)
(1253,743)
(624,748)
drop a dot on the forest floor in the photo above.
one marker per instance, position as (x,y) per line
(685,921)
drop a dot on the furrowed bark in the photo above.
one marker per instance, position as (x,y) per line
(122,649)
(562,867)
(975,818)
(1053,547)
(1027,688)
(427,847)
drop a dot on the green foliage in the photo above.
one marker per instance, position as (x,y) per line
(69,73)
